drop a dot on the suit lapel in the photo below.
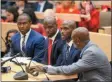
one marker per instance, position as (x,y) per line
(58,37)
(72,50)
(17,42)
(29,41)
(56,40)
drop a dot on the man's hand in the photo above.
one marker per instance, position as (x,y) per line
(33,69)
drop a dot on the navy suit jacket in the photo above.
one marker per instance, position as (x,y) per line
(34,46)
(56,50)
(74,55)
(46,6)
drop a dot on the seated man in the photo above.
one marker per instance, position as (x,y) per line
(70,53)
(93,65)
(54,41)
(27,41)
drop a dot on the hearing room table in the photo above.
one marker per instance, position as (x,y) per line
(41,77)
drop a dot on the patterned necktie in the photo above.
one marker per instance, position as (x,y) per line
(23,44)
(67,51)
(49,51)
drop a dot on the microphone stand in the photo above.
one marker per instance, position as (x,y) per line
(36,73)
(41,53)
(22,75)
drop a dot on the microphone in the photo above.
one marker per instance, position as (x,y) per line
(22,75)
(3,39)
(10,44)
(41,53)
(18,54)
(36,73)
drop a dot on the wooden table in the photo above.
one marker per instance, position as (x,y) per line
(41,77)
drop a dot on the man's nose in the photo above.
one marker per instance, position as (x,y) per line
(47,30)
(22,25)
(62,31)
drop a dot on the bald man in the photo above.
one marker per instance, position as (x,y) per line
(27,41)
(93,65)
(53,41)
(69,53)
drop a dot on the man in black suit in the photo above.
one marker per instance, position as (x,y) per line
(42,5)
(54,41)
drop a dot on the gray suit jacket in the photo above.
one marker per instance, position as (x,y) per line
(93,65)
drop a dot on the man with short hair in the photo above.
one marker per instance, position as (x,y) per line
(70,53)
(53,41)
(27,41)
(93,65)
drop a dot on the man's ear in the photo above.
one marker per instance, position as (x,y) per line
(77,40)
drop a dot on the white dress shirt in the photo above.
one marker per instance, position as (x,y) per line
(26,38)
(41,6)
(70,44)
(53,38)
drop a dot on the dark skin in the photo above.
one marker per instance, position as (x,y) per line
(50,26)
(24,23)
(80,37)
(66,30)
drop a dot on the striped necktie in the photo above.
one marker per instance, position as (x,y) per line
(23,44)
(67,51)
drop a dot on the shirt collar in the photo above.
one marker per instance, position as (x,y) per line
(70,43)
(53,38)
(27,34)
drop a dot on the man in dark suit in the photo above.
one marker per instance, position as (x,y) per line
(93,65)
(27,41)
(42,5)
(70,53)
(53,41)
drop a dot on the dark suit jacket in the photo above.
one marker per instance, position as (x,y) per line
(74,55)
(56,50)
(34,45)
(46,6)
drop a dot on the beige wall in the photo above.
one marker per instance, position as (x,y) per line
(98,3)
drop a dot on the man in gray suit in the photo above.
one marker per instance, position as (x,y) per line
(92,66)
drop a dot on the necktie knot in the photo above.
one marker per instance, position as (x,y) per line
(50,40)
